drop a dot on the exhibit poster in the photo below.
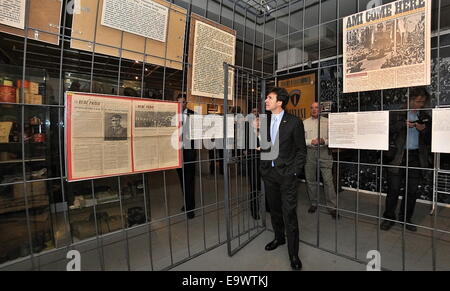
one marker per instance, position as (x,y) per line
(388,47)
(212,48)
(12,13)
(441,131)
(145,17)
(154,34)
(111,136)
(302,93)
(359,130)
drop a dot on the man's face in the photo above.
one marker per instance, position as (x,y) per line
(183,103)
(418,102)
(315,110)
(271,102)
(115,122)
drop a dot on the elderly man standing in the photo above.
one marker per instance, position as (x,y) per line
(316,145)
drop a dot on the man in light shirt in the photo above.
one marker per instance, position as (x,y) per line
(316,145)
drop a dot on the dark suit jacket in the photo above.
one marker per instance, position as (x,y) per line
(398,135)
(292,147)
(189,152)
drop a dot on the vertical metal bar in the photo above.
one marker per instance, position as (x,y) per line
(148,214)
(166,204)
(381,187)
(120,64)
(263,190)
(60,133)
(186,64)
(226,159)
(216,190)
(202,197)
(91,87)
(124,227)
(147,220)
(318,132)
(303,53)
(235,165)
(437,164)
(359,179)
(336,231)
(22,107)
(98,238)
(245,159)
(405,196)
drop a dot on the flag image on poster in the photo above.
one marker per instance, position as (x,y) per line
(388,47)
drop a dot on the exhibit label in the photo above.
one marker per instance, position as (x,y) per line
(441,131)
(144,17)
(359,130)
(12,13)
(388,47)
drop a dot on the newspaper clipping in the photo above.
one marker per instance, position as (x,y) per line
(103,140)
(212,48)
(145,17)
(155,123)
(12,13)
(388,47)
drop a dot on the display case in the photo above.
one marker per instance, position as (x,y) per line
(25,162)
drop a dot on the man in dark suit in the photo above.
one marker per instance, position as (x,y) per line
(280,172)
(187,173)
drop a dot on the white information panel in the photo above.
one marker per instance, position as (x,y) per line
(210,127)
(441,131)
(12,13)
(145,17)
(359,130)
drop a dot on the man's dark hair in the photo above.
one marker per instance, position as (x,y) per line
(282,95)
(116,116)
(419,91)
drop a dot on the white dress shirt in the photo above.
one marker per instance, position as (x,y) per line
(312,130)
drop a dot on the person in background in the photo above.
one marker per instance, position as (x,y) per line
(186,174)
(410,132)
(317,147)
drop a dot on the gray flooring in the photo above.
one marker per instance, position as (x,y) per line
(253,258)
(172,241)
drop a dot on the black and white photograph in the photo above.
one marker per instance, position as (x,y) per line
(115,127)
(145,119)
(370,47)
(409,46)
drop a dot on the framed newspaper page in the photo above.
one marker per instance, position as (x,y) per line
(388,47)
(211,45)
(110,136)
